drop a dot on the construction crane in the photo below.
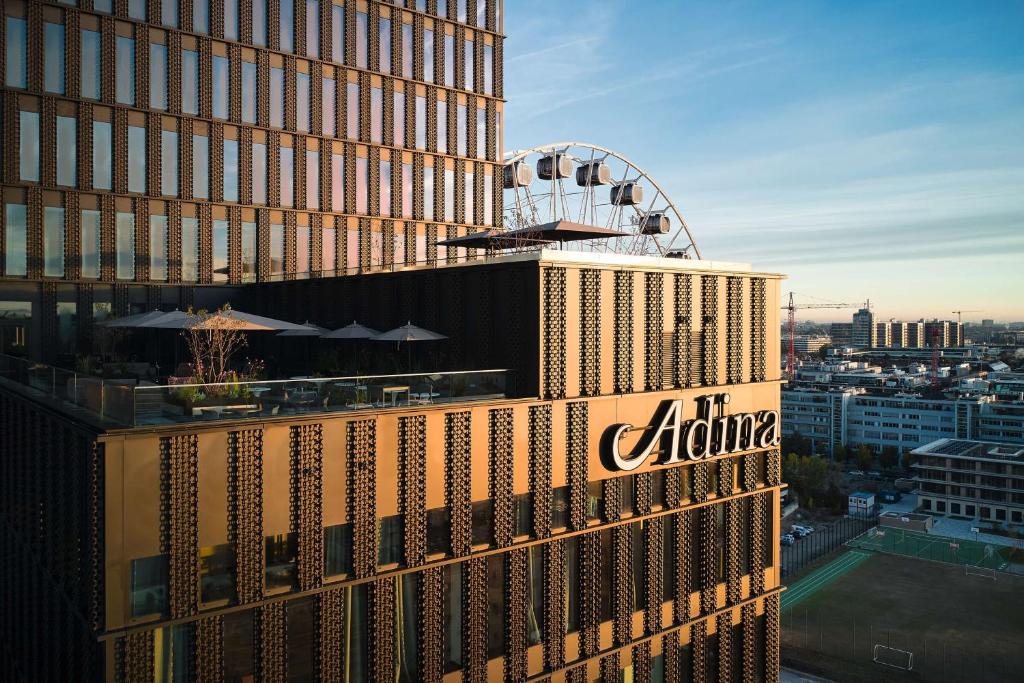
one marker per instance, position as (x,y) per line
(960,317)
(791,349)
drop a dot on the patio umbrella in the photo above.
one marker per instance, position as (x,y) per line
(409,333)
(310,330)
(226,318)
(137,320)
(353,331)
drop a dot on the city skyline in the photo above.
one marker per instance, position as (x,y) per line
(884,163)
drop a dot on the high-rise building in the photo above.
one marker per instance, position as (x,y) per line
(937,333)
(898,334)
(601,502)
(864,333)
(841,333)
(883,334)
(915,335)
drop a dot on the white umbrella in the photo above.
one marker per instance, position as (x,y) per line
(353,331)
(310,330)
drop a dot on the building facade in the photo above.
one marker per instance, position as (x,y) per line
(864,333)
(981,480)
(164,152)
(612,513)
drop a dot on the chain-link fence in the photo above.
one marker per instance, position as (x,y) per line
(823,540)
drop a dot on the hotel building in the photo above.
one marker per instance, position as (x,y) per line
(588,491)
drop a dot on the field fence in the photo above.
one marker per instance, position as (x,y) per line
(825,539)
(978,558)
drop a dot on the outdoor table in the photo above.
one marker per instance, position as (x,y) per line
(394,391)
(259,391)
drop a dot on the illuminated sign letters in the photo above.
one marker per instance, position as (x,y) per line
(674,441)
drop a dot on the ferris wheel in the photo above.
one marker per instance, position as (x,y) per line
(591,185)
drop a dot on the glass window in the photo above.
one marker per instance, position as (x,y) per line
(259,173)
(136,159)
(376,115)
(481,134)
(15,233)
(189,248)
(149,586)
(313,28)
(428,56)
(259,22)
(67,147)
(312,179)
(442,8)
(468,63)
(286,27)
(90,239)
(406,50)
(362,184)
(124,236)
(428,193)
(125,71)
(248,251)
(462,14)
(158,247)
(488,69)
(101,155)
(282,551)
(231,19)
(362,40)
(352,111)
(452,580)
(17,42)
(169,13)
(421,122)
(53,241)
(406,190)
(231,170)
(158,76)
(398,117)
(534,594)
(200,167)
(384,45)
(337,540)
(190,82)
(137,9)
(391,543)
(449,61)
(287,174)
(337,182)
(357,645)
(29,146)
(488,199)
(221,87)
(276,97)
(302,102)
(90,65)
(239,646)
(572,584)
(328,250)
(461,130)
(385,188)
(220,251)
(277,262)
(449,195)
(338,33)
(481,13)
(495,606)
(302,244)
(249,92)
(482,532)
(216,574)
(329,114)
(201,16)
(442,127)
(53,34)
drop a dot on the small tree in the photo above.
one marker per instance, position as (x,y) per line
(889,458)
(212,340)
(865,457)
(823,351)
(839,453)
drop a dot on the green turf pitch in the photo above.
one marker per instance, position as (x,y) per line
(821,577)
(931,547)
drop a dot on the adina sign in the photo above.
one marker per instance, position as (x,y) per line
(704,437)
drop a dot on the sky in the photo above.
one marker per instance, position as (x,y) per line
(869,150)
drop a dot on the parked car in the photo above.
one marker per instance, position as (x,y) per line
(801,531)
(787,539)
(875,474)
(855,473)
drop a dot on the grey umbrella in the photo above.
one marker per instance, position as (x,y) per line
(353,331)
(137,320)
(409,333)
(310,330)
(226,318)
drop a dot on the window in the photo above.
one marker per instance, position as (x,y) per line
(137,9)
(406,190)
(259,23)
(488,199)
(357,645)
(534,594)
(362,184)
(302,102)
(17,42)
(312,179)
(53,34)
(189,248)
(462,13)
(201,16)
(230,170)
(495,606)
(136,159)
(276,97)
(220,257)
(169,163)
(67,135)
(200,167)
(277,268)
(124,236)
(442,127)
(15,233)
(169,13)
(102,156)
(469,212)
(384,45)
(481,133)
(189,82)
(362,40)
(398,116)
(468,63)
(248,251)
(302,245)
(53,241)
(328,107)
(231,19)
(385,188)
(158,247)
(449,195)
(249,92)
(460,130)
(221,87)
(90,239)
(259,173)
(286,27)
(29,146)
(391,543)
(313,28)
(449,61)
(287,176)
(217,574)
(406,50)
(282,551)
(149,585)
(352,111)
(452,619)
(421,122)
(428,192)
(337,182)
(337,538)
(125,90)
(428,56)
(376,115)
(328,250)
(90,65)
(488,69)
(338,33)
(482,532)
(481,13)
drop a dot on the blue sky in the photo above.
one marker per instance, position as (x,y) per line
(867,149)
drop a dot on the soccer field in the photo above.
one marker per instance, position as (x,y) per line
(932,547)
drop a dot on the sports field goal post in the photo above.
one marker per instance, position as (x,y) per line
(893,657)
(977,570)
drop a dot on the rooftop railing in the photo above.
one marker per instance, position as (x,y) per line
(128,403)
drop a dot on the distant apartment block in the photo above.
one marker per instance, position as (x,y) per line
(974,479)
